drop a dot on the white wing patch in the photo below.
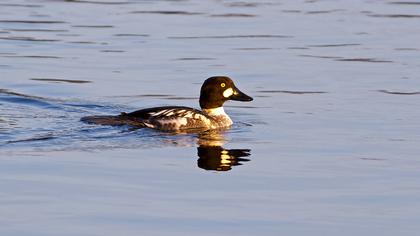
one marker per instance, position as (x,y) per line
(165,112)
(181,113)
(177,119)
(175,123)
(228,92)
(158,113)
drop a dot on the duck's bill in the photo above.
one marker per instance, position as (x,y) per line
(240,96)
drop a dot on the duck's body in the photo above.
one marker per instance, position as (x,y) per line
(171,118)
(214,92)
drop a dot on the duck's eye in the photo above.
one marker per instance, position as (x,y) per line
(222,85)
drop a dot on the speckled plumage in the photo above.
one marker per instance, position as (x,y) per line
(172,118)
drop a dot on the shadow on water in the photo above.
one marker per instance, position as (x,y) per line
(212,155)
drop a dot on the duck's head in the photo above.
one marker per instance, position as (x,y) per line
(217,90)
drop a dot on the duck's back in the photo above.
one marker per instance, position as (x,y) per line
(171,118)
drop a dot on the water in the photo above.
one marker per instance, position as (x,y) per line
(329,146)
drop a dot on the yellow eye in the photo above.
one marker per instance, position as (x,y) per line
(222,85)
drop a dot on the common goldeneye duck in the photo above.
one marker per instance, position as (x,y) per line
(215,91)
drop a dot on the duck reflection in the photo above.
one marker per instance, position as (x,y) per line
(212,156)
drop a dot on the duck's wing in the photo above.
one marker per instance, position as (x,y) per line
(164,112)
(172,118)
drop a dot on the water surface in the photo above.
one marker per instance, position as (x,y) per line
(329,146)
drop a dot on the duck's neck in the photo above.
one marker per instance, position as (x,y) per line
(219,114)
(218,111)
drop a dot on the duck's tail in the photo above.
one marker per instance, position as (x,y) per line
(113,120)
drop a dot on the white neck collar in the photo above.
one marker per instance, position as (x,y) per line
(218,111)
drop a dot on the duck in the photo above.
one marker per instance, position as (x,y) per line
(214,92)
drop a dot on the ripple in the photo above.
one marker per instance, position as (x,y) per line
(233,15)
(373,60)
(194,59)
(37,30)
(398,92)
(252,49)
(231,36)
(34,56)
(108,50)
(8,53)
(334,45)
(406,49)
(20,5)
(131,35)
(168,12)
(92,26)
(90,106)
(373,159)
(62,80)
(98,2)
(33,139)
(8,92)
(180,98)
(69,35)
(158,96)
(25,100)
(316,56)
(405,3)
(298,48)
(29,39)
(83,42)
(394,15)
(291,11)
(33,21)
(244,106)
(243,4)
(292,92)
(324,12)
(143,95)
(251,4)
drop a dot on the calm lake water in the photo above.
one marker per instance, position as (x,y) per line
(329,146)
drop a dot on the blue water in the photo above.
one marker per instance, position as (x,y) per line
(329,146)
